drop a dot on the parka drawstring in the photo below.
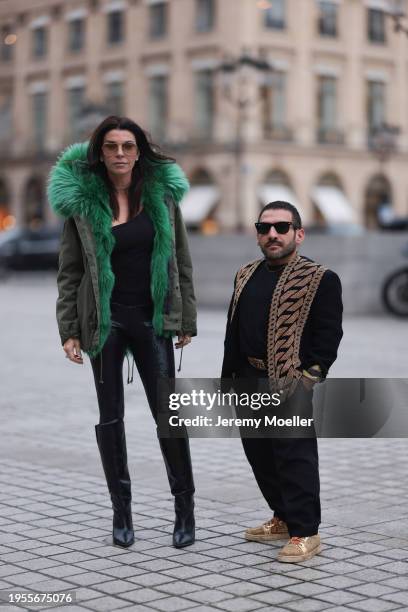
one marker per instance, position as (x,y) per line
(181,357)
(130,378)
(100,371)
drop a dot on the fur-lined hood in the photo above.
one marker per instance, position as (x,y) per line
(72,188)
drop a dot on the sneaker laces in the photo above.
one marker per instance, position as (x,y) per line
(297,541)
(274,522)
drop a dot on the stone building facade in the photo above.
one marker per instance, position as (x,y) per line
(304,100)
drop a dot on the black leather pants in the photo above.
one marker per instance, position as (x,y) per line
(154,358)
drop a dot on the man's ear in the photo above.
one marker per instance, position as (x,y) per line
(300,236)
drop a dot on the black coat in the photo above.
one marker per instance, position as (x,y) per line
(321,335)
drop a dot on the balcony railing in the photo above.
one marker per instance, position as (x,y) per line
(281,133)
(330,136)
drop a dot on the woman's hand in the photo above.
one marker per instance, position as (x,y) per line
(183,340)
(72,348)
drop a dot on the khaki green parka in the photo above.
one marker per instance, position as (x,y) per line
(85,278)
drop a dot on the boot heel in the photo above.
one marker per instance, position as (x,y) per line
(184,525)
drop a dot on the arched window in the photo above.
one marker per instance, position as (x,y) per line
(199,204)
(277,186)
(378,202)
(330,204)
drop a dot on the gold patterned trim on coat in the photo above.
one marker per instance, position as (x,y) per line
(290,307)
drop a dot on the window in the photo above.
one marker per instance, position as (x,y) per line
(326,108)
(375,105)
(327,18)
(158,106)
(114,97)
(6,117)
(39,41)
(158,19)
(376,26)
(204,98)
(274,16)
(76,35)
(115,27)
(76,98)
(6,49)
(39,117)
(204,15)
(274,105)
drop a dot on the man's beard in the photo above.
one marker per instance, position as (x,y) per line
(283,252)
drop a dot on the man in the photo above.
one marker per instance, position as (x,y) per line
(284,323)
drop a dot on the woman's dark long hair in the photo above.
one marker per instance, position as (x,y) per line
(149,154)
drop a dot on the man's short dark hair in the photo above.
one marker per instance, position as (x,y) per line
(281,205)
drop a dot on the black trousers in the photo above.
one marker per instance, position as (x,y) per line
(154,358)
(287,472)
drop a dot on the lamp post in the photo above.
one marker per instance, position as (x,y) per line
(235,71)
(383,143)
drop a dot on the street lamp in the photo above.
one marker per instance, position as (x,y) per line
(235,71)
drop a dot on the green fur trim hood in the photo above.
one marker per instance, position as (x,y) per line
(75,191)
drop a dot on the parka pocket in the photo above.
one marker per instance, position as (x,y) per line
(86,309)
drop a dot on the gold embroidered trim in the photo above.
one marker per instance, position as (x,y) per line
(290,307)
(243,276)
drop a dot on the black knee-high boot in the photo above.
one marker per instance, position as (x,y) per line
(176,454)
(112,447)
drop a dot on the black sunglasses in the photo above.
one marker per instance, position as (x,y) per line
(281,227)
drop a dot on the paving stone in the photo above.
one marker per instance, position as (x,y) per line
(39,564)
(400,582)
(374,605)
(373,575)
(185,572)
(213,580)
(88,578)
(339,597)
(372,561)
(178,588)
(306,573)
(399,598)
(209,596)
(73,557)
(121,571)
(219,565)
(397,567)
(307,605)
(151,579)
(60,571)
(339,582)
(143,595)
(240,604)
(274,598)
(372,589)
(243,589)
(248,573)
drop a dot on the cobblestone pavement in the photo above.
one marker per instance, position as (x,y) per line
(55,516)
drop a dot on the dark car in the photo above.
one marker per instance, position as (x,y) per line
(29,249)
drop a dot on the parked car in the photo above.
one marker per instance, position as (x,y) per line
(29,249)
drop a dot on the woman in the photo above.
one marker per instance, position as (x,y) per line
(125,285)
